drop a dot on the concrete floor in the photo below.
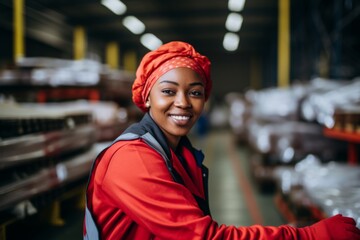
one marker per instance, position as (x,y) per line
(234,199)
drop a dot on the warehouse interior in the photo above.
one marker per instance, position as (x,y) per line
(282,131)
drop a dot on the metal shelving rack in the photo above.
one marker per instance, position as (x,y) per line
(353,139)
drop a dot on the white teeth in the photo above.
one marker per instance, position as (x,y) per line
(180,117)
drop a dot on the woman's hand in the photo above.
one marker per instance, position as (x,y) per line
(337,227)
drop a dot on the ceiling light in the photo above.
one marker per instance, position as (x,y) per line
(150,41)
(233,22)
(231,41)
(236,5)
(133,24)
(116,6)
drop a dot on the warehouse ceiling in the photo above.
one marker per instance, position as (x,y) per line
(321,30)
(200,22)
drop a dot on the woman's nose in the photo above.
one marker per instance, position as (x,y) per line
(182,100)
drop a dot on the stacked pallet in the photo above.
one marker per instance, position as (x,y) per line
(44,149)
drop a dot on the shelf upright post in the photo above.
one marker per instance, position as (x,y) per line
(283,43)
(18,19)
(79,43)
(352,139)
(112,55)
(130,61)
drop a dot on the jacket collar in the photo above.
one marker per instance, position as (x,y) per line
(147,124)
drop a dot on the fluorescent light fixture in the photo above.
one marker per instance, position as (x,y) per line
(133,24)
(236,5)
(233,22)
(116,6)
(150,41)
(231,41)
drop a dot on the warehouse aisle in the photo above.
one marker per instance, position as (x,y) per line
(234,199)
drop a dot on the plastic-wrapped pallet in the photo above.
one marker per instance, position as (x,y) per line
(333,187)
(43,148)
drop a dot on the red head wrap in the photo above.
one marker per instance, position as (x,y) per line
(168,56)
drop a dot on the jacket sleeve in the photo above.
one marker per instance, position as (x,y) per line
(137,181)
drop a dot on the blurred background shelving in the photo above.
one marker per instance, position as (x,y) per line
(281,129)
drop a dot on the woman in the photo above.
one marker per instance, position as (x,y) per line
(151,184)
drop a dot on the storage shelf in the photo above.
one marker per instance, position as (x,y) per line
(342,135)
(353,140)
(297,213)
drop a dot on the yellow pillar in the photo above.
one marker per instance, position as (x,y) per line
(284,43)
(19,46)
(55,214)
(130,61)
(3,227)
(112,55)
(3,232)
(81,199)
(79,43)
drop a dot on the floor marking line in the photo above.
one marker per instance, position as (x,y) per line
(245,186)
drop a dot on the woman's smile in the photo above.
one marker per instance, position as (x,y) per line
(181,120)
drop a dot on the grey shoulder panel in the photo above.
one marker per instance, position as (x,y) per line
(127,136)
(149,139)
(92,232)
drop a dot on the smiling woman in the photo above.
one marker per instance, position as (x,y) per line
(151,182)
(176,102)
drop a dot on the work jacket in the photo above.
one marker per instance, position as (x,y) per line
(139,188)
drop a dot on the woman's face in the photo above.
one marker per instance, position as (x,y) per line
(176,102)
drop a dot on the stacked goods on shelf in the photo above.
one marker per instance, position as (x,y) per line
(61,114)
(51,79)
(40,71)
(108,118)
(40,79)
(290,141)
(57,80)
(117,85)
(324,189)
(338,110)
(272,122)
(18,120)
(286,143)
(347,119)
(328,106)
(44,148)
(286,128)
(239,115)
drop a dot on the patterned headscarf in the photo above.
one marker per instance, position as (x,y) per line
(168,56)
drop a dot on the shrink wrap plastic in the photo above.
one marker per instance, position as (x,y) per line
(288,123)
(333,187)
(327,99)
(43,148)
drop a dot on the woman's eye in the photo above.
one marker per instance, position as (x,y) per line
(168,92)
(196,93)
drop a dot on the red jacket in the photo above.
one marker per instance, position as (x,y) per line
(132,195)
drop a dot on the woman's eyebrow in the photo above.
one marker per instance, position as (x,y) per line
(168,81)
(177,84)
